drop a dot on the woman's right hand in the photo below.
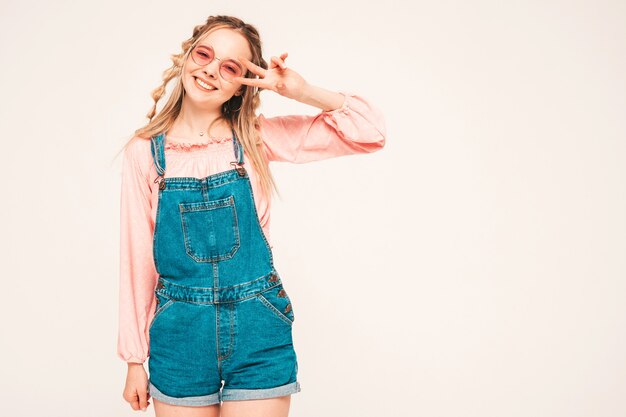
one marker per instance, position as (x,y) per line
(136,390)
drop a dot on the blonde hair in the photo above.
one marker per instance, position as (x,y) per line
(243,120)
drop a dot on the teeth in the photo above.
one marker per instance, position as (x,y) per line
(208,87)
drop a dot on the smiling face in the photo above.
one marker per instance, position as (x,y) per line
(226,44)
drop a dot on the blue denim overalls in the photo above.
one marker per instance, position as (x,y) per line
(222,313)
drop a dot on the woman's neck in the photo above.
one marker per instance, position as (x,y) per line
(192,125)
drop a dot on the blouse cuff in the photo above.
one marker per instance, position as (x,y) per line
(129,358)
(133,359)
(345,108)
(357,120)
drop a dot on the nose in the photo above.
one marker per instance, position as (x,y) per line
(212,67)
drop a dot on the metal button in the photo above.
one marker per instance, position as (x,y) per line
(282,293)
(273,278)
(160,285)
(288,308)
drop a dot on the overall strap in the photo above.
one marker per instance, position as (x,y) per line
(158,153)
(237,148)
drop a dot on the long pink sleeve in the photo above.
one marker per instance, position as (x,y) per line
(357,127)
(137,272)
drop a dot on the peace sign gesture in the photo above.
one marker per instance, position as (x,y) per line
(278,77)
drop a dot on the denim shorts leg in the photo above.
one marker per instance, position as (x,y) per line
(182,362)
(264,363)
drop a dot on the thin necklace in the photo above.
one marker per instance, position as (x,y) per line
(214,137)
(201,135)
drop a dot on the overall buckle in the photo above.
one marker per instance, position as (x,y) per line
(239,167)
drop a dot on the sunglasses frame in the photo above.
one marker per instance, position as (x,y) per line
(243,71)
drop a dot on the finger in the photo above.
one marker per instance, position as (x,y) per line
(143,398)
(273,63)
(252,66)
(283,56)
(278,62)
(246,81)
(254,82)
(134,402)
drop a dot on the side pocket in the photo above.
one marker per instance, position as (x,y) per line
(163,302)
(278,303)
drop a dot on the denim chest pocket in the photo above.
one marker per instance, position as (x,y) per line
(277,301)
(210,229)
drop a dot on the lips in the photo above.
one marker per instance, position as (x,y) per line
(206,82)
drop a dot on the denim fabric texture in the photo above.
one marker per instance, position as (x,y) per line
(222,329)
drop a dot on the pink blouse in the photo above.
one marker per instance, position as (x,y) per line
(356,127)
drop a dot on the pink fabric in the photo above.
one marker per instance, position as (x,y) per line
(356,127)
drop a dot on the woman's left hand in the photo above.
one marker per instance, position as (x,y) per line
(278,77)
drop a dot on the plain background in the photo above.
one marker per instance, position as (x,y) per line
(473,267)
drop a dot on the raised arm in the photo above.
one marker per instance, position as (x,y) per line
(356,127)
(137,272)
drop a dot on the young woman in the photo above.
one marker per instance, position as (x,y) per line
(200,295)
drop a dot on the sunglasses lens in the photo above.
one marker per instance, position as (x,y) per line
(229,70)
(202,55)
